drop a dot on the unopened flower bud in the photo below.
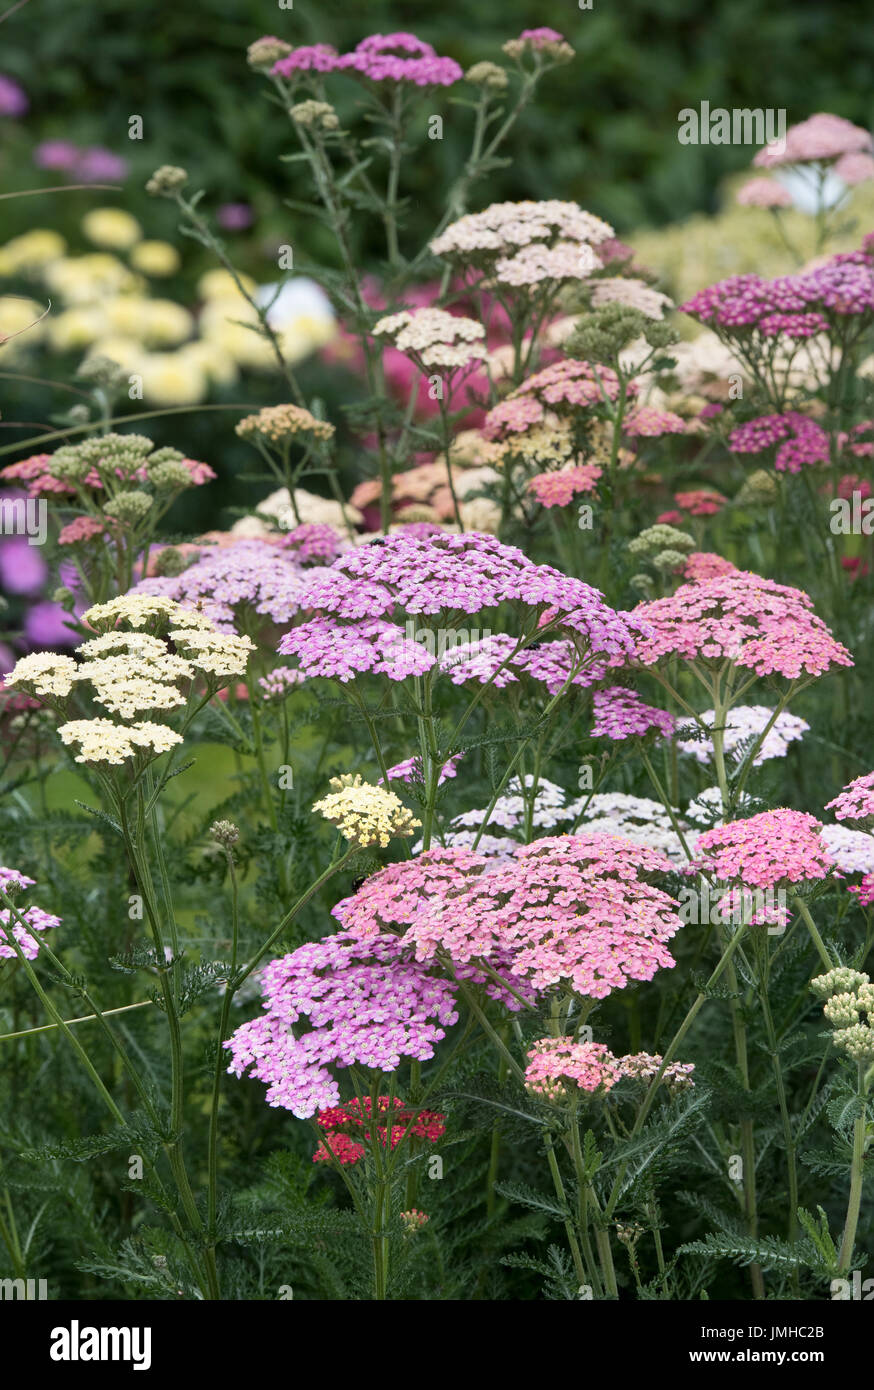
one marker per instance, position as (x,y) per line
(166,181)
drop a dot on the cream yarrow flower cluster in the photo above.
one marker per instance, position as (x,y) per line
(276,423)
(436,338)
(364,814)
(102,741)
(850,995)
(131,671)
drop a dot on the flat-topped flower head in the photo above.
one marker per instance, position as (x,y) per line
(774,848)
(558,1066)
(557,489)
(368,1004)
(42,673)
(433,337)
(277,423)
(856,801)
(756,623)
(102,741)
(224,580)
(453,576)
(742,725)
(364,814)
(400,58)
(821,138)
(563,388)
(525,245)
(570,910)
(622,714)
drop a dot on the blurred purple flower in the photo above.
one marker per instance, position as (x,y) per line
(13,99)
(7,659)
(45,625)
(22,568)
(235,217)
(98,163)
(55,154)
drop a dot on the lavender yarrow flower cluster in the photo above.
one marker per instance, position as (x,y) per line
(449,576)
(368,1004)
(410,770)
(743,723)
(12,881)
(251,574)
(397,57)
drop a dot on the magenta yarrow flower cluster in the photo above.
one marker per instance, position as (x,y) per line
(795,306)
(36,919)
(756,623)
(765,851)
(401,58)
(368,1003)
(800,441)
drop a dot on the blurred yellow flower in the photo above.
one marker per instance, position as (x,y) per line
(219,367)
(219,284)
(76,328)
(172,378)
(127,352)
(304,335)
(155,258)
(111,227)
(89,279)
(31,250)
(126,314)
(22,317)
(165,323)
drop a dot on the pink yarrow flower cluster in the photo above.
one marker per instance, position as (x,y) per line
(650,422)
(821,138)
(557,489)
(756,623)
(764,851)
(856,801)
(250,574)
(562,388)
(367,1003)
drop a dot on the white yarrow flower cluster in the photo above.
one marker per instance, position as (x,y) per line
(745,722)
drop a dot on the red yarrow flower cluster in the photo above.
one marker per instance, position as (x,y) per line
(345,1123)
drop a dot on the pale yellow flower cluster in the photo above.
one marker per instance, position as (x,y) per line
(364,814)
(44,673)
(102,741)
(131,672)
